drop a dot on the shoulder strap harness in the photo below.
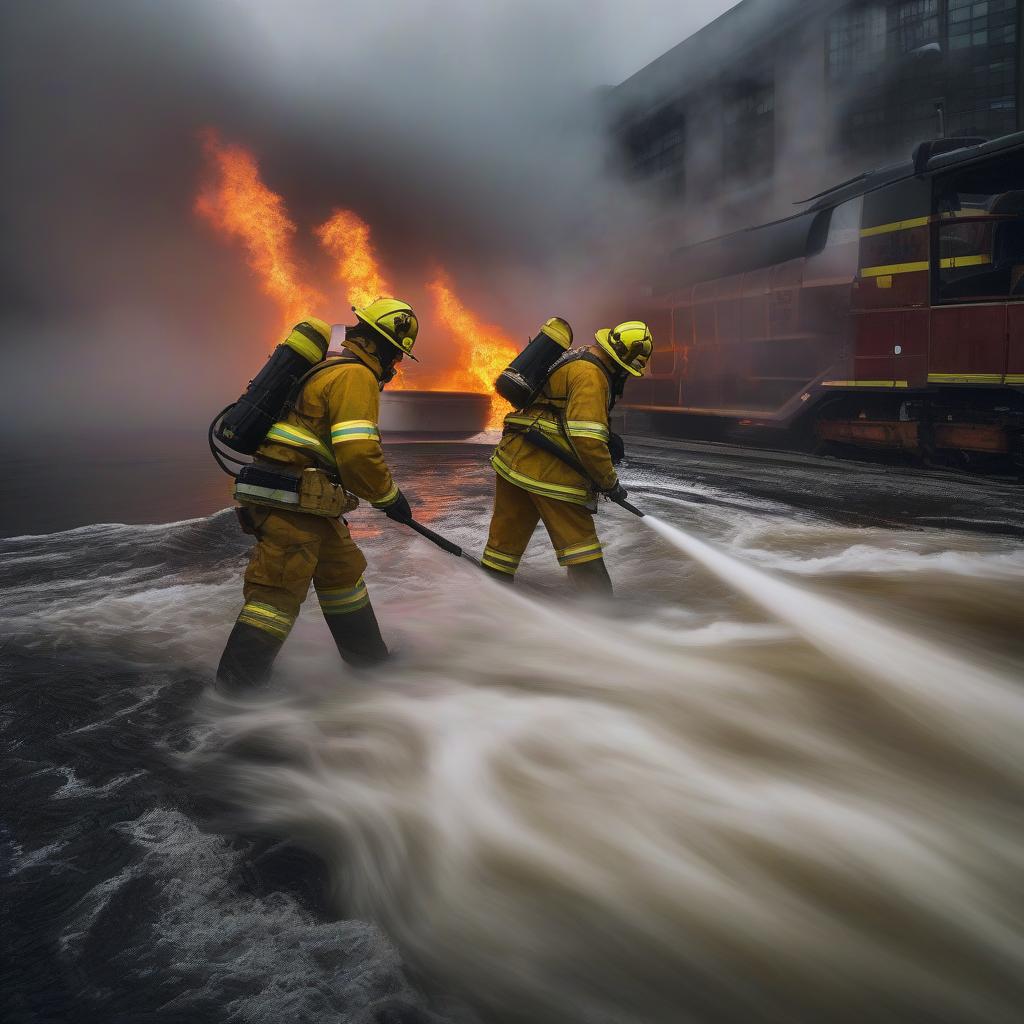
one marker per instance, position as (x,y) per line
(294,436)
(614,382)
(557,430)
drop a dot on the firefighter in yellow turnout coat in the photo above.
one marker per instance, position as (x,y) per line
(532,485)
(329,439)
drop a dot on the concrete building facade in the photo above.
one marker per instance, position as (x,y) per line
(779,99)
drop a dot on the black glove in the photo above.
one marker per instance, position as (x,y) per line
(399,509)
(616,448)
(616,493)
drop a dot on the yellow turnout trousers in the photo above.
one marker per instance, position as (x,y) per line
(291,550)
(515,517)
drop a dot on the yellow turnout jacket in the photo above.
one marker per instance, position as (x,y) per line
(572,410)
(333,425)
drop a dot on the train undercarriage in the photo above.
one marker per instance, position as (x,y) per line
(978,431)
(963,427)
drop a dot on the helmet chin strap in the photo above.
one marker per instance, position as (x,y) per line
(387,355)
(381,350)
(618,384)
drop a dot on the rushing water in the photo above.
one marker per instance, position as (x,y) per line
(778,779)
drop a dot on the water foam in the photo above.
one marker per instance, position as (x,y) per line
(563,814)
(265,960)
(920,676)
(676,808)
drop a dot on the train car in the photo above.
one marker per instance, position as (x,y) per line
(889,313)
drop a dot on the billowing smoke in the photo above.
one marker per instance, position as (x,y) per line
(468,135)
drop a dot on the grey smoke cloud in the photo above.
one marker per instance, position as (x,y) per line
(466,134)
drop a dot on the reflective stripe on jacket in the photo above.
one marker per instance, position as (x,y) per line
(578,395)
(333,424)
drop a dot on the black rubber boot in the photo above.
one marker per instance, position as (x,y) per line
(247,659)
(497,574)
(591,578)
(358,637)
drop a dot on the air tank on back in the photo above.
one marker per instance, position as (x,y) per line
(243,425)
(523,377)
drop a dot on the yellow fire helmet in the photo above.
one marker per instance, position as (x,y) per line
(394,319)
(630,345)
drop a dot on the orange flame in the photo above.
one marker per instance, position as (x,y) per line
(485,350)
(346,237)
(238,204)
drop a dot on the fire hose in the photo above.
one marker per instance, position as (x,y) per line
(542,441)
(535,437)
(442,542)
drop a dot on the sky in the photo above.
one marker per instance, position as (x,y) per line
(466,134)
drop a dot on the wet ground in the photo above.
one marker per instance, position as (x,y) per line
(688,805)
(845,490)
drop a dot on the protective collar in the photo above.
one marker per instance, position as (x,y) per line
(617,377)
(361,350)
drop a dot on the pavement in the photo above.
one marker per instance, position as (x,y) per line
(855,492)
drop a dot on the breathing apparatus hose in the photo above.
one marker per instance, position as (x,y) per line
(542,441)
(222,457)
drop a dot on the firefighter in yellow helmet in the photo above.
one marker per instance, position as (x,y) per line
(572,409)
(328,439)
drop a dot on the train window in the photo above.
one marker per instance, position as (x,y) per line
(660,323)
(705,325)
(682,327)
(979,242)
(844,226)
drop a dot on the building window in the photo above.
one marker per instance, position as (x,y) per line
(748,132)
(974,23)
(856,41)
(916,23)
(981,91)
(656,147)
(662,154)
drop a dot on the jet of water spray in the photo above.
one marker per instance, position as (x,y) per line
(913,669)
